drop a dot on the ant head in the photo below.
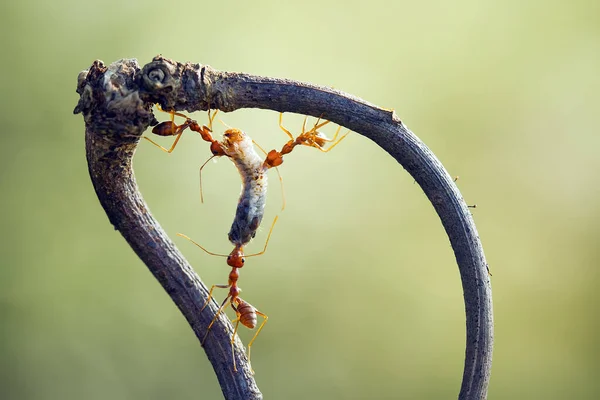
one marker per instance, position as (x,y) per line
(216,149)
(194,126)
(236,258)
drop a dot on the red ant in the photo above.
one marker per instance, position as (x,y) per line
(245,312)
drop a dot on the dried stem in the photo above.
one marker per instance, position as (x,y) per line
(117,111)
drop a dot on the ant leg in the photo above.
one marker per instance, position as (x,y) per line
(173,113)
(335,135)
(210,294)
(162,148)
(317,125)
(319,141)
(334,144)
(282,190)
(201,196)
(255,335)
(211,119)
(314,128)
(221,309)
(211,253)
(268,237)
(283,128)
(237,322)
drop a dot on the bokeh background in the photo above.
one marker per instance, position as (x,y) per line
(359,280)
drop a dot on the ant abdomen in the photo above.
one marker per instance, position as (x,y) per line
(320,139)
(166,128)
(247,314)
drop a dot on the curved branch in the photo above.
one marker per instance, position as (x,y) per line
(193,87)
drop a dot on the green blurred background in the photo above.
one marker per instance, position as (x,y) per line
(359,280)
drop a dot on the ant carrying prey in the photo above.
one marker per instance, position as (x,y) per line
(239,148)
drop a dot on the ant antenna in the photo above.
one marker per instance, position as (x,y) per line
(203,165)
(209,252)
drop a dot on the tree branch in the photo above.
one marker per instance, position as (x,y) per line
(194,87)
